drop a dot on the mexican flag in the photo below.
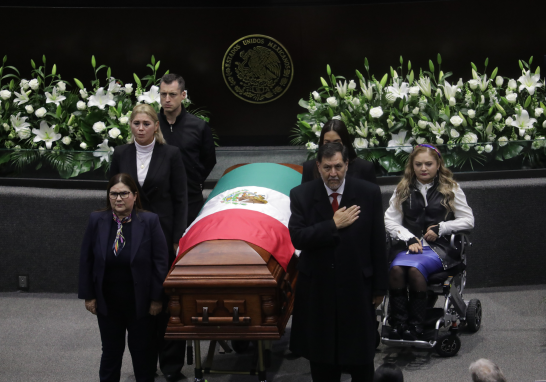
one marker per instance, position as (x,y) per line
(250,203)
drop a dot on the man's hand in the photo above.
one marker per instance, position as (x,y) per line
(416,248)
(344,216)
(91,305)
(430,235)
(377,300)
(175,246)
(155,308)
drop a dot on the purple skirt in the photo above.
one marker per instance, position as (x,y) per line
(427,262)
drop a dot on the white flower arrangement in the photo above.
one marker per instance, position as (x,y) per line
(499,117)
(52,119)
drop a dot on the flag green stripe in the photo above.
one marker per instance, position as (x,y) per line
(269,175)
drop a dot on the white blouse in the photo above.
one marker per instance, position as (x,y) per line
(143,158)
(464,219)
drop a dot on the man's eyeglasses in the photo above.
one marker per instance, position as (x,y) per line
(124,195)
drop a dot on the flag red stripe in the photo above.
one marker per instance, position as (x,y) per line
(238,224)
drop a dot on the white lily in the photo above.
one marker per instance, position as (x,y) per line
(399,91)
(449,90)
(437,129)
(19,123)
(399,142)
(529,82)
(101,99)
(54,98)
(113,86)
(367,90)
(104,151)
(150,96)
(342,89)
(22,97)
(523,121)
(483,82)
(424,85)
(363,131)
(46,134)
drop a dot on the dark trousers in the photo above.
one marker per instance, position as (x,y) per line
(113,329)
(323,372)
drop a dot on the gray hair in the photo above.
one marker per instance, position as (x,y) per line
(483,370)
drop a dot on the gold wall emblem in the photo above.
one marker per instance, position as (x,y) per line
(257,69)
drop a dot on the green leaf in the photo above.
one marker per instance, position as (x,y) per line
(328,70)
(153,60)
(43,59)
(530,60)
(542,106)
(439,59)
(431,66)
(366,64)
(390,163)
(5,157)
(486,61)
(32,64)
(494,74)
(447,111)
(109,73)
(54,69)
(303,103)
(527,101)
(5,59)
(384,80)
(93,62)
(511,150)
(409,66)
(473,66)
(157,65)
(13,68)
(59,111)
(520,65)
(392,72)
(137,80)
(397,126)
(78,83)
(10,75)
(100,67)
(411,122)
(330,112)
(491,110)
(410,78)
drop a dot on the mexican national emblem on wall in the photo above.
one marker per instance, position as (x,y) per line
(257,69)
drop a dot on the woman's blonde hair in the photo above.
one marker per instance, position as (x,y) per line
(144,108)
(446,184)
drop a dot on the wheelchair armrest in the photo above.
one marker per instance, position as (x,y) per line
(463,235)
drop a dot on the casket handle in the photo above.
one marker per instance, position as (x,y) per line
(205,315)
(221,321)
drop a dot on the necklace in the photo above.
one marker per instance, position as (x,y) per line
(142,162)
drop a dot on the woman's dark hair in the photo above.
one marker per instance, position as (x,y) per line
(330,149)
(388,372)
(129,182)
(340,128)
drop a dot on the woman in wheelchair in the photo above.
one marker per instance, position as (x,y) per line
(426,206)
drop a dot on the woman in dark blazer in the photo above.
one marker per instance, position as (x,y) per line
(162,184)
(335,131)
(123,264)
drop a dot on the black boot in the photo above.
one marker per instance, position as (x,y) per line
(417,311)
(398,307)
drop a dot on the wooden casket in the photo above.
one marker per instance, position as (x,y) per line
(224,284)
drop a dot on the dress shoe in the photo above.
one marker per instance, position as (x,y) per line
(174,377)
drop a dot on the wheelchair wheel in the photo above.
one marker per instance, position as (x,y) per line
(448,345)
(474,315)
(240,346)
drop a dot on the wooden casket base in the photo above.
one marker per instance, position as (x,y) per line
(229,289)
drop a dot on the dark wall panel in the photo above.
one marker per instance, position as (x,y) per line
(192,42)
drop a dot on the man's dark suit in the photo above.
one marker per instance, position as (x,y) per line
(164,191)
(339,273)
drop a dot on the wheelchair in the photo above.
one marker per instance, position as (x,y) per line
(441,325)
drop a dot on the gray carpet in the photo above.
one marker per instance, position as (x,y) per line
(51,337)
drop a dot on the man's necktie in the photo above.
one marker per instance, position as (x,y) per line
(335,204)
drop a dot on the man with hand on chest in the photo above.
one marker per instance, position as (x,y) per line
(337,223)
(191,135)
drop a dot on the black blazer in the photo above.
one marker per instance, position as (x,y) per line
(149,257)
(359,169)
(339,273)
(164,191)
